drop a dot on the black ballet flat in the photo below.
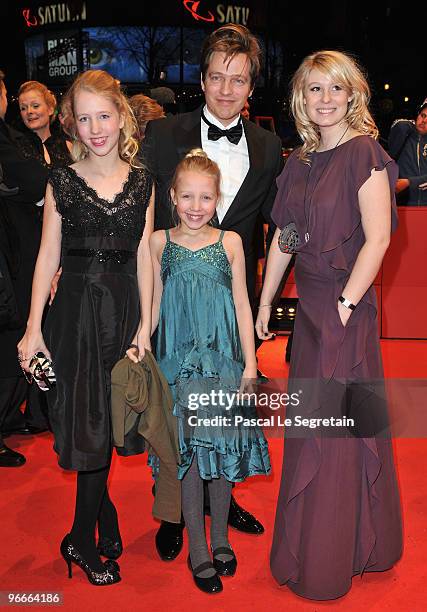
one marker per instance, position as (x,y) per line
(112,549)
(242,520)
(210,585)
(71,555)
(224,568)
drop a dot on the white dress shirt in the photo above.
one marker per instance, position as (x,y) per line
(233,161)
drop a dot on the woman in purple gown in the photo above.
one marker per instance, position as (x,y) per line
(338,512)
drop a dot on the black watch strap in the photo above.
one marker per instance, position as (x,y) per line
(346,303)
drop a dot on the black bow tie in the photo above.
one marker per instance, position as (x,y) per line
(234,134)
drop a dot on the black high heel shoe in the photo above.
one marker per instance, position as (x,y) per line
(209,585)
(71,555)
(110,548)
(112,565)
(224,568)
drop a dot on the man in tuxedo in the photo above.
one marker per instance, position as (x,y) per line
(249,158)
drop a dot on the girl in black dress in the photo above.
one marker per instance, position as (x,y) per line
(99,216)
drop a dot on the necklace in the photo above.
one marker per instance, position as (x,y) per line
(308,217)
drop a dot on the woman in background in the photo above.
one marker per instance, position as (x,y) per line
(145,109)
(37,106)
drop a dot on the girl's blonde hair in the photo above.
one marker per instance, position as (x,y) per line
(103,84)
(197,160)
(345,71)
(47,95)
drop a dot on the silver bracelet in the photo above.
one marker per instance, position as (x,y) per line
(266,305)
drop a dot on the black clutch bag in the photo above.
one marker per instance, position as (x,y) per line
(289,239)
(41,371)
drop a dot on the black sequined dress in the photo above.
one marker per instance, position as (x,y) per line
(95,313)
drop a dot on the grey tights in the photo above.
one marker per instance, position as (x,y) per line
(193,511)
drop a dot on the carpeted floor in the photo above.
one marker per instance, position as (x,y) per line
(36,511)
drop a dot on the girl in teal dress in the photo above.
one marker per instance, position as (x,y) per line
(205,347)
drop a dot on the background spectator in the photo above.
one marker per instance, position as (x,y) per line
(407,143)
(145,109)
(166,98)
(20,231)
(37,106)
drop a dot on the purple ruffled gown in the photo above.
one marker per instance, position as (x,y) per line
(338,512)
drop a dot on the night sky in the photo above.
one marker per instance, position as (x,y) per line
(387,37)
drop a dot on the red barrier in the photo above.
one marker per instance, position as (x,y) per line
(404,278)
(401,283)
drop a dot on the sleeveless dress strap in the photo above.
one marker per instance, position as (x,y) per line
(168,238)
(221,236)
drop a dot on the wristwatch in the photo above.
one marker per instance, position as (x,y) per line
(345,302)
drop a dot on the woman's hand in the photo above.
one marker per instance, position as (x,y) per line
(344,313)
(139,345)
(29,345)
(261,325)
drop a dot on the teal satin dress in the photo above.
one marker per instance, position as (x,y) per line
(199,351)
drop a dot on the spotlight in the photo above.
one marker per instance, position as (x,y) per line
(386,86)
(283,315)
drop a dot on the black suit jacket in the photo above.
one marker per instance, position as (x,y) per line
(20,232)
(168,140)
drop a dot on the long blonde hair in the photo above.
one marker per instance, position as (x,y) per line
(346,72)
(101,83)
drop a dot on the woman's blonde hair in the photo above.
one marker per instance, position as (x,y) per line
(345,71)
(47,95)
(103,84)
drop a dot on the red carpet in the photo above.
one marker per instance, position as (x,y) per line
(36,511)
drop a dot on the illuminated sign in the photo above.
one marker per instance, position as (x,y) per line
(30,20)
(53,14)
(230,13)
(193,7)
(62,56)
